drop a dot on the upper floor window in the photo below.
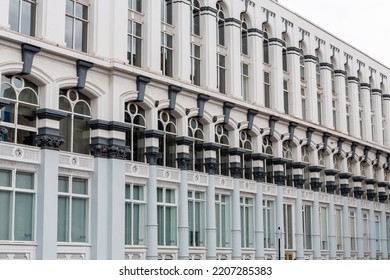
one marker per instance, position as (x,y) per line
(195,64)
(134,42)
(166,54)
(19,117)
(244,36)
(135,139)
(284,59)
(195,17)
(166,11)
(245,81)
(302,65)
(221,73)
(76,25)
(167,123)
(75,126)
(265,48)
(318,72)
(22,16)
(17,205)
(135,5)
(222,137)
(195,130)
(220,26)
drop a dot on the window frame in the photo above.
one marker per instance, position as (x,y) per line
(75,32)
(165,230)
(21,8)
(131,225)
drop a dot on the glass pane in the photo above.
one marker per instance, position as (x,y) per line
(128,224)
(138,147)
(10,136)
(138,224)
(170,226)
(24,180)
(13,19)
(23,216)
(26,115)
(69,7)
(138,192)
(69,32)
(81,135)
(82,108)
(7,91)
(64,104)
(79,219)
(25,137)
(79,186)
(28,18)
(161,224)
(63,184)
(5,215)
(63,219)
(66,131)
(160,195)
(170,196)
(127,191)
(5,178)
(81,11)
(29,96)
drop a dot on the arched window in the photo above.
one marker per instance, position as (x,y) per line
(265,47)
(195,19)
(222,137)
(246,158)
(19,116)
(75,126)
(167,123)
(244,35)
(135,139)
(267,149)
(166,11)
(220,26)
(195,130)
(302,65)
(305,157)
(287,153)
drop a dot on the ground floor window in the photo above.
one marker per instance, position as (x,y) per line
(196,218)
(307,226)
(134,215)
(166,216)
(247,221)
(269,223)
(222,218)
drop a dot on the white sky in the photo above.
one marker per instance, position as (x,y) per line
(361,23)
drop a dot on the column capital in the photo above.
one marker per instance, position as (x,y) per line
(330,187)
(152,155)
(344,189)
(371,194)
(299,181)
(183,160)
(358,192)
(382,196)
(279,178)
(315,184)
(210,165)
(259,174)
(235,170)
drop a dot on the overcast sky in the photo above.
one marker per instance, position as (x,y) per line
(361,23)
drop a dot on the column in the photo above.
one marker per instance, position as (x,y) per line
(377,108)
(236,171)
(365,93)
(371,195)
(108,191)
(233,58)
(51,24)
(279,179)
(293,64)
(326,84)
(259,176)
(211,228)
(183,158)
(4,14)
(152,154)
(152,36)
(358,192)
(341,101)
(382,199)
(330,188)
(315,185)
(276,60)
(311,88)
(49,140)
(208,51)
(386,112)
(354,106)
(299,181)
(345,189)
(182,40)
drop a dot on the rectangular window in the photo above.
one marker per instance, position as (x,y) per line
(388,230)
(76,25)
(319,107)
(17,205)
(348,119)
(366,232)
(284,59)
(303,98)
(73,205)
(352,224)
(166,217)
(222,219)
(245,81)
(196,218)
(221,72)
(307,227)
(195,64)
(324,228)
(134,214)
(269,223)
(247,221)
(135,5)
(339,230)
(361,122)
(166,54)
(288,226)
(334,112)
(285,97)
(166,11)
(267,87)
(377,233)
(134,43)
(22,16)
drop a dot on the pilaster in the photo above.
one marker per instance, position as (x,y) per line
(365,92)
(378,115)
(311,89)
(326,84)
(276,60)
(354,106)
(233,58)
(293,64)
(341,124)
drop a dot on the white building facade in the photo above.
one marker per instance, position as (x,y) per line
(196,129)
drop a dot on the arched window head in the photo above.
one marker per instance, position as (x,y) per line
(222,137)
(246,158)
(305,154)
(167,123)
(195,130)
(135,115)
(267,146)
(244,35)
(220,25)
(321,158)
(19,117)
(195,17)
(287,150)
(75,127)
